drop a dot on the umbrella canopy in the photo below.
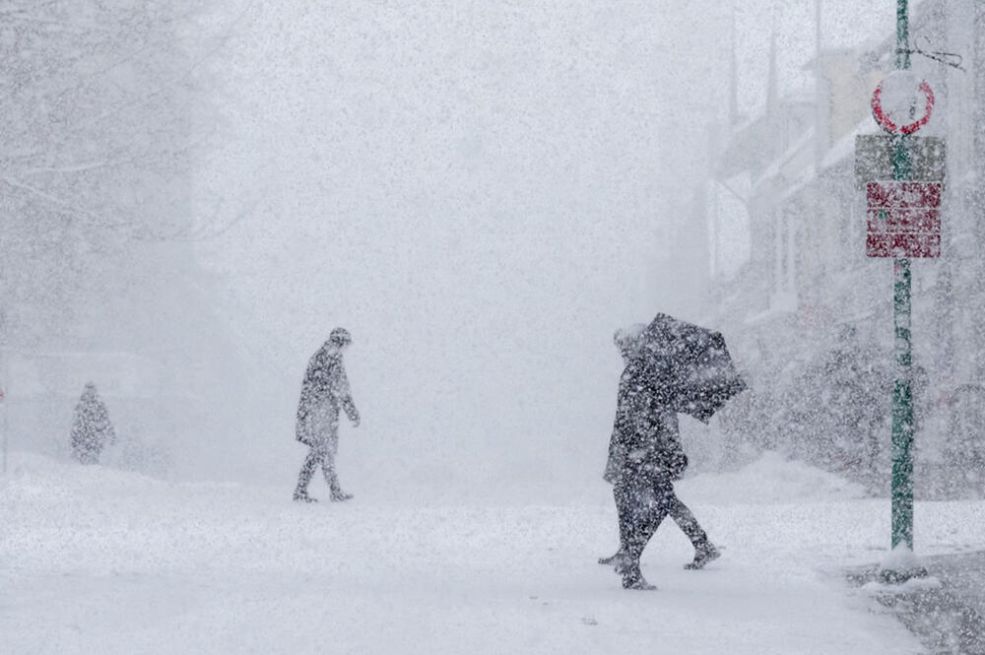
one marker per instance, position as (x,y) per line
(689,367)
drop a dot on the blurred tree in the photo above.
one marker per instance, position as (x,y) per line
(98,103)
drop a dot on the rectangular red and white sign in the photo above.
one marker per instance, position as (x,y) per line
(894,219)
(903,245)
(904,194)
(903,219)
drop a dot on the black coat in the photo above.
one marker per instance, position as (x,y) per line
(645,435)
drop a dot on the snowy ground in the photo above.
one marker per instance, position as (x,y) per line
(93,560)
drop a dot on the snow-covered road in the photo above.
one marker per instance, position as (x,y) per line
(93,560)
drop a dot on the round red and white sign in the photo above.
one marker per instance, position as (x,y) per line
(896,103)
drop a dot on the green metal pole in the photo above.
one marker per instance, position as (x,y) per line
(902,488)
(902,485)
(902,35)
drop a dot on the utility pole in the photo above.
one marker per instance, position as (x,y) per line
(902,566)
(903,176)
(902,484)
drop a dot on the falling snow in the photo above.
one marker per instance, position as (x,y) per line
(196,197)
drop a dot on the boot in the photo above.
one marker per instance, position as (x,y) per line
(332,479)
(632,577)
(304,479)
(702,555)
(612,560)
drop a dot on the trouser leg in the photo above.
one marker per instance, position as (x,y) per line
(641,510)
(331,477)
(625,509)
(686,521)
(331,448)
(628,511)
(307,471)
(622,517)
(617,556)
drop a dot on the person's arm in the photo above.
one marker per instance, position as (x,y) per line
(345,397)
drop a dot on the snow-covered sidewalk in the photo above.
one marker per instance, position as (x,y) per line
(93,560)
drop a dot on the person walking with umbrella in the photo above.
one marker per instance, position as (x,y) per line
(324,391)
(674,367)
(628,340)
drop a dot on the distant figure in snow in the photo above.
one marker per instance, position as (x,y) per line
(324,391)
(91,427)
(645,457)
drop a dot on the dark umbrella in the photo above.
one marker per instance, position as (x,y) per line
(689,367)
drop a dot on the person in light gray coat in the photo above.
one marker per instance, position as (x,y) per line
(91,427)
(324,391)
